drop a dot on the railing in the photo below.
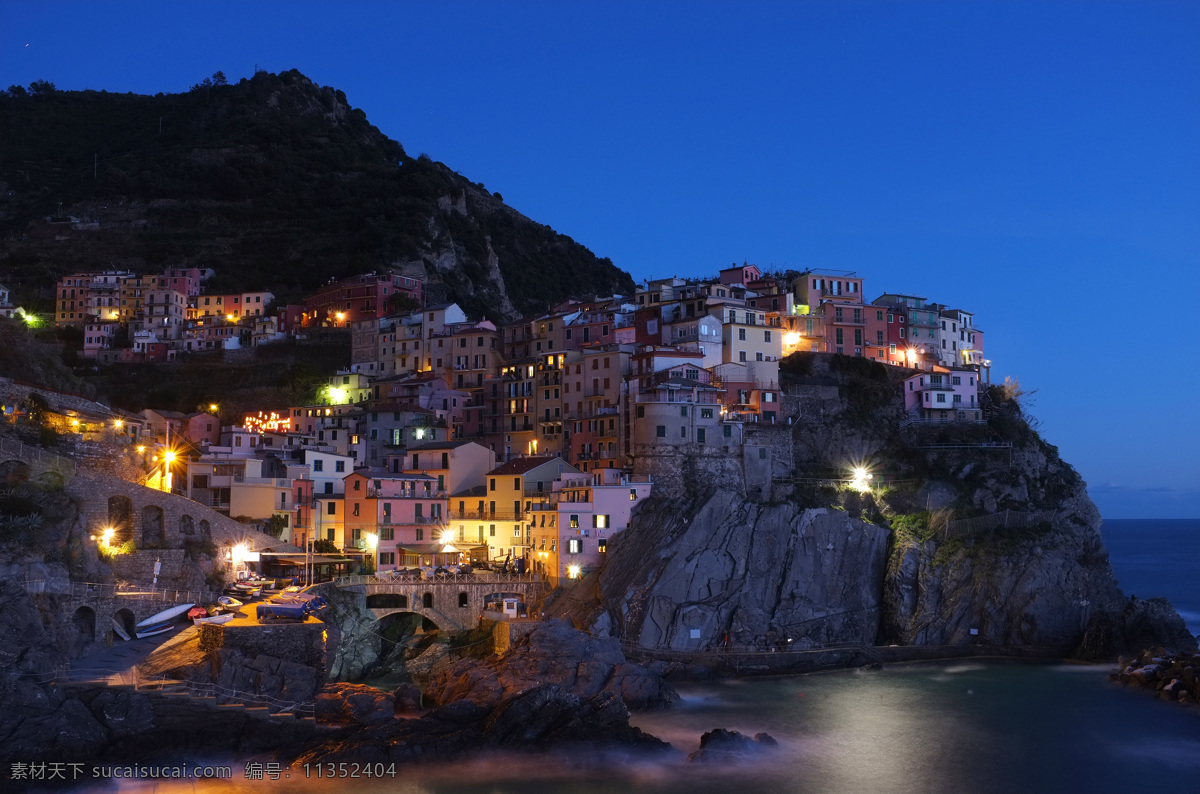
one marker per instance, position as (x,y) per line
(852,320)
(14,448)
(482,577)
(91,591)
(404,494)
(277,481)
(1008,519)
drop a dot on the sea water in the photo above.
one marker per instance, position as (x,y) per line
(968,726)
(1158,557)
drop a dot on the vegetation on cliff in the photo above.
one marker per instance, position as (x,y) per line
(274,182)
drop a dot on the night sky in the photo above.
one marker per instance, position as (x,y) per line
(1035,163)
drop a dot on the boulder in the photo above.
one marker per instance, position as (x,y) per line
(354,704)
(731,746)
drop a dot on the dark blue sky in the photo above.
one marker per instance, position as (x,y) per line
(1036,163)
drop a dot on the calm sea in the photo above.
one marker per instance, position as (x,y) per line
(964,727)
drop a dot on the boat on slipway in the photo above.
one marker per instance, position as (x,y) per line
(161,622)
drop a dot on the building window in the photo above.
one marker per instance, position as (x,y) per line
(331,508)
(318,465)
(339,466)
(602,545)
(660,431)
(741,334)
(574,545)
(574,522)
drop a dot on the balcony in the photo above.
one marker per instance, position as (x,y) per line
(846,320)
(375,493)
(276,481)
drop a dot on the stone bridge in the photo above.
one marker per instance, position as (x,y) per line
(454,602)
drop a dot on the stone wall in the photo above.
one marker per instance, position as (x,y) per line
(693,468)
(181,518)
(139,566)
(303,643)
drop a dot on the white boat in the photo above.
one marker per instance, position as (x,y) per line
(119,630)
(161,622)
(229,601)
(222,617)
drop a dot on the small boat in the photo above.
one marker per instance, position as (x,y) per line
(197,612)
(161,622)
(119,630)
(220,617)
(229,602)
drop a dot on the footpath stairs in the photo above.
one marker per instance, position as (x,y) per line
(179,689)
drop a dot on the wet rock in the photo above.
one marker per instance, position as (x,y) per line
(723,745)
(553,653)
(347,704)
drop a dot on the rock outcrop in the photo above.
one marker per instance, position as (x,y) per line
(542,719)
(742,574)
(1175,676)
(724,746)
(554,653)
(354,704)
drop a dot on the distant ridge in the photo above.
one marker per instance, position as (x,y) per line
(275,183)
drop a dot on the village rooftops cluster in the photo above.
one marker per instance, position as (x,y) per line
(532,440)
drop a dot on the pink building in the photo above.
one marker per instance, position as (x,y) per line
(944,395)
(572,537)
(745,274)
(402,511)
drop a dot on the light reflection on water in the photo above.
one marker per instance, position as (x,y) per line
(963,727)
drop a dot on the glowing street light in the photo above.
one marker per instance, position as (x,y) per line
(117,423)
(212,407)
(372,541)
(861,479)
(447,536)
(572,571)
(340,316)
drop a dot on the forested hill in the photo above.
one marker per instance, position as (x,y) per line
(275,183)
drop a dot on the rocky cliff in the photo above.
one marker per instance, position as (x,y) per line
(734,573)
(972,533)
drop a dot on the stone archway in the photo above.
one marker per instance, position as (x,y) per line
(120,518)
(84,621)
(187,525)
(154,534)
(126,620)
(205,531)
(427,601)
(14,472)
